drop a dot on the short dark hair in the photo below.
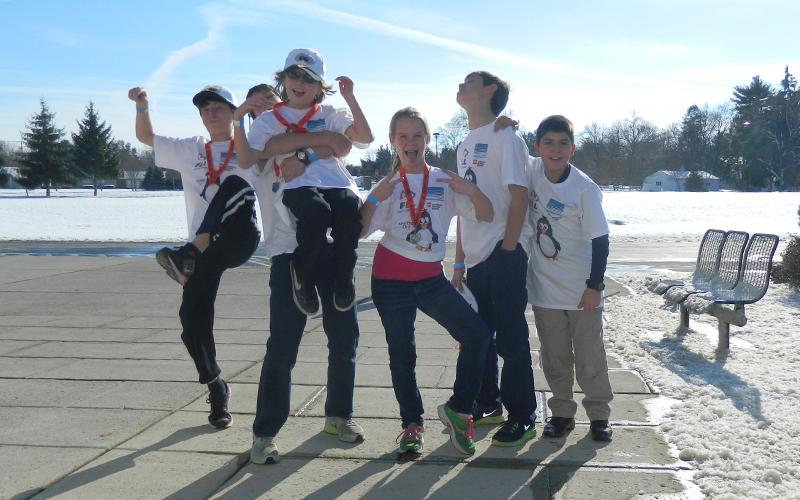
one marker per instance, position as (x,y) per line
(555,123)
(261,87)
(500,96)
(279,76)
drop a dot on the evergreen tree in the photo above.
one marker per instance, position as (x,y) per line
(45,163)
(95,151)
(4,177)
(694,183)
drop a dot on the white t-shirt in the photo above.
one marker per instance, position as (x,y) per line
(279,236)
(188,156)
(492,160)
(323,173)
(426,243)
(566,216)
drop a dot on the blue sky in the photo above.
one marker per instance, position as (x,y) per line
(591,61)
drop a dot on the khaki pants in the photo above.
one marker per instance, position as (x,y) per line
(572,347)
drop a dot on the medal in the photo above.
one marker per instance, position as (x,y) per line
(413,214)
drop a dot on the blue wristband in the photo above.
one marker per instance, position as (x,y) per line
(371,198)
(459,265)
(312,155)
(141,110)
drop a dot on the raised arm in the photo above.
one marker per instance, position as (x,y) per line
(359,131)
(484,211)
(144,129)
(380,193)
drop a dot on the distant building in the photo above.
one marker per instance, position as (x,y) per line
(674,180)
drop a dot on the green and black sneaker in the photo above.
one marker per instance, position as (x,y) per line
(514,433)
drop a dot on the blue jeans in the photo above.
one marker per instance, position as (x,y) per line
(286,324)
(499,286)
(397,303)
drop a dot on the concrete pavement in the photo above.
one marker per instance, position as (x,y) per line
(100,399)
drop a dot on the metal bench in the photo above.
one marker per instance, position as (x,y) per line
(707,263)
(725,274)
(751,286)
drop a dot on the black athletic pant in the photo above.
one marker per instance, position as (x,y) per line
(316,210)
(231,222)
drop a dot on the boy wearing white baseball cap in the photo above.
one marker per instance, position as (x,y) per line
(220,211)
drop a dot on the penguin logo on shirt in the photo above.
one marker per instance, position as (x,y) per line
(548,245)
(423,236)
(470,176)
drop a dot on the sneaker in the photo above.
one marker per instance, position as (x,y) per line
(600,430)
(346,428)
(514,433)
(462,434)
(264,451)
(411,439)
(489,416)
(219,416)
(557,426)
(304,294)
(178,262)
(344,295)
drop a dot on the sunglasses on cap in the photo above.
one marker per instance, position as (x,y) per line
(299,74)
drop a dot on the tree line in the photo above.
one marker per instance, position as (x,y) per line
(49,160)
(750,143)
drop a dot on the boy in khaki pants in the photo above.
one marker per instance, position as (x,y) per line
(569,253)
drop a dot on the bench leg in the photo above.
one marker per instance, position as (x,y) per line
(684,316)
(724,329)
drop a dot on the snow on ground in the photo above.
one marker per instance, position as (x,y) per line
(124,215)
(735,415)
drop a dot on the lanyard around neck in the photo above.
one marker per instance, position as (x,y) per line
(213,174)
(415,214)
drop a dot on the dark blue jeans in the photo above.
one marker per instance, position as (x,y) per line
(499,286)
(286,324)
(397,303)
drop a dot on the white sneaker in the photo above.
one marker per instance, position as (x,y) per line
(346,428)
(264,451)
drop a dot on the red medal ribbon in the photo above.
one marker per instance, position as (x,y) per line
(297,128)
(213,175)
(415,214)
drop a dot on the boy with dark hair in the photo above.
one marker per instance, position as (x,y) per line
(220,210)
(569,256)
(495,256)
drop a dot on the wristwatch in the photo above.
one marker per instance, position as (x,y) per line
(303,156)
(596,286)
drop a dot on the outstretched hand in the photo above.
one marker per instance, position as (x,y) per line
(346,86)
(457,183)
(504,122)
(384,189)
(255,104)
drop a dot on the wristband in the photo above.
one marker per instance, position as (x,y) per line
(371,198)
(459,265)
(238,123)
(312,155)
(141,110)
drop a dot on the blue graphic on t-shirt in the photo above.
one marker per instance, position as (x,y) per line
(435,193)
(555,208)
(315,125)
(481,150)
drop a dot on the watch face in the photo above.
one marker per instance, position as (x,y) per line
(301,155)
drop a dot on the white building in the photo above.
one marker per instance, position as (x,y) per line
(674,180)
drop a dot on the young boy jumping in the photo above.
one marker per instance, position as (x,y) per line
(565,282)
(220,210)
(495,256)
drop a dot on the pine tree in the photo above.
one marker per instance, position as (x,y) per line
(694,183)
(95,151)
(45,163)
